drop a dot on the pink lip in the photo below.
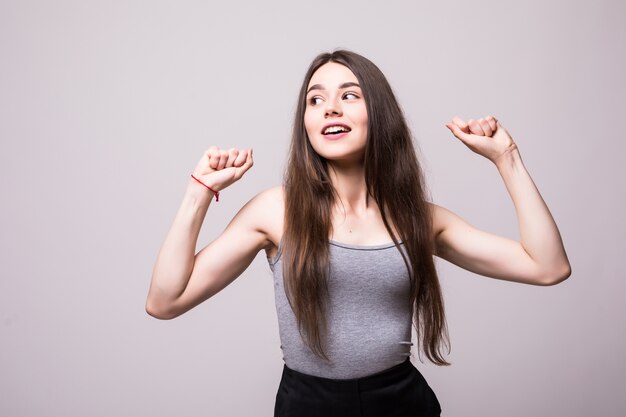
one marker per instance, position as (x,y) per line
(336,136)
(335,124)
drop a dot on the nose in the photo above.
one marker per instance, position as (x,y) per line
(333,108)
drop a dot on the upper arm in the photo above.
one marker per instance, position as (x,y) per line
(481,252)
(225,258)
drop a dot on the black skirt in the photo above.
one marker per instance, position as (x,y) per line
(400,391)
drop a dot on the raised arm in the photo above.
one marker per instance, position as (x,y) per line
(181,279)
(539,257)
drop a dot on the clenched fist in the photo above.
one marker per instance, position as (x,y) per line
(484,136)
(219,168)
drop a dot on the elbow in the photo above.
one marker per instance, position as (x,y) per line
(557,276)
(159,312)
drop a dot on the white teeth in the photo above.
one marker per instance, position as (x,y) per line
(335,129)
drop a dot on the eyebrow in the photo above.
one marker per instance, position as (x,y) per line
(344,85)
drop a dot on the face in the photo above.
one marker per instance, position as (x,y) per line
(336,117)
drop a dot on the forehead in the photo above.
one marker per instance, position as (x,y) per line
(331,75)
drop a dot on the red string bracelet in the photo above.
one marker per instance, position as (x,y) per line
(217,194)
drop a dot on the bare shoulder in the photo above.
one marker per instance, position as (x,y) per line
(449,230)
(274,195)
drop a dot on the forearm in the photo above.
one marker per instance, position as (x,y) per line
(176,258)
(539,233)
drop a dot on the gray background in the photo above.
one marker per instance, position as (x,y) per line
(105,107)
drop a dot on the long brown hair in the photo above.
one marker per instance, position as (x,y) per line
(394,180)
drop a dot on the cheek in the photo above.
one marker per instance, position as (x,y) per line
(308,123)
(360,115)
(365,115)
(364,124)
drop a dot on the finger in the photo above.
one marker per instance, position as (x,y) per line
(246,166)
(475,128)
(499,126)
(460,123)
(214,157)
(492,122)
(232,157)
(223,159)
(456,131)
(486,127)
(241,158)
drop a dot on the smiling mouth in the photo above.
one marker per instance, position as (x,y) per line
(335,130)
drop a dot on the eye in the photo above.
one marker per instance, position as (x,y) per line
(315,100)
(350,96)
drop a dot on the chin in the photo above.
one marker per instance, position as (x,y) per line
(355,158)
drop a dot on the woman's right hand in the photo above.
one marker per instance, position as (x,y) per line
(182,279)
(219,168)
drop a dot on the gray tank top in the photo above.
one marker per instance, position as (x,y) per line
(369,317)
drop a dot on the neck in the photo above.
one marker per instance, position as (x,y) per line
(349,182)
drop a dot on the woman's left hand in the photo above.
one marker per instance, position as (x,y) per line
(484,136)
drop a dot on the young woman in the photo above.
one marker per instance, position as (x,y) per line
(350,238)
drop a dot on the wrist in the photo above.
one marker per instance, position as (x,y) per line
(210,189)
(198,192)
(511,159)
